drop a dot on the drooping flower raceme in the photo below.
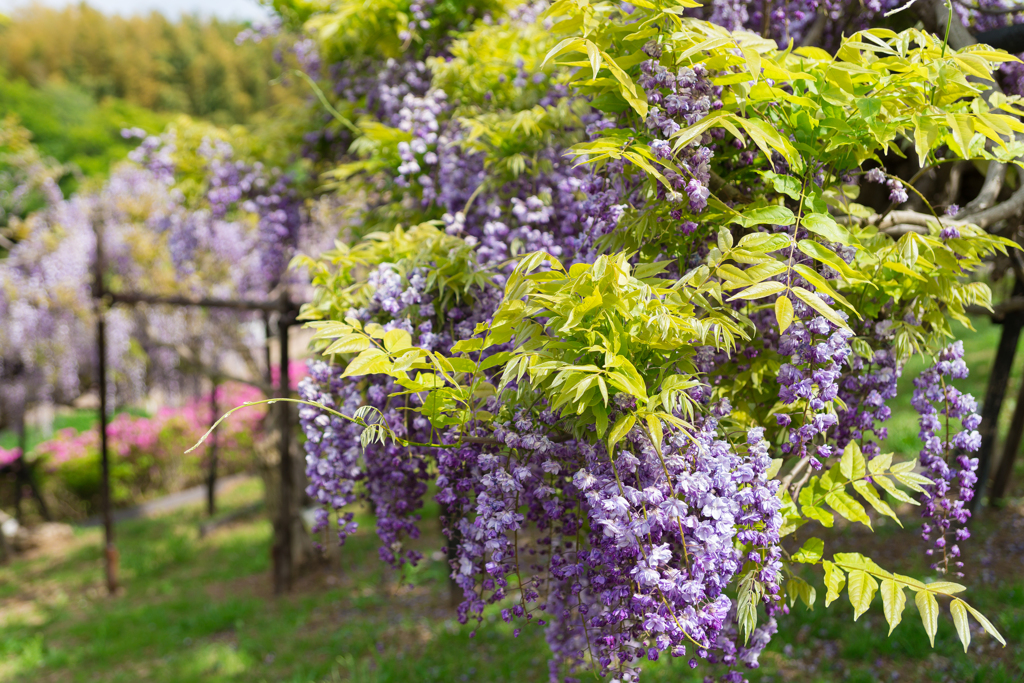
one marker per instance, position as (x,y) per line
(946,455)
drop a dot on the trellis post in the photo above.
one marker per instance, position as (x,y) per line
(110,553)
(283,542)
(211,476)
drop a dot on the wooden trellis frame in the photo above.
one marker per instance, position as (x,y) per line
(287,311)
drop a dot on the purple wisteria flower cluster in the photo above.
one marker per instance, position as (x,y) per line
(665,534)
(809,383)
(897,192)
(945,456)
(230,185)
(865,389)
(679,99)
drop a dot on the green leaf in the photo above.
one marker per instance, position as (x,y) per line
(397,339)
(600,419)
(871,496)
(785,184)
(619,430)
(843,503)
(783,313)
(986,624)
(861,590)
(760,290)
(369,362)
(767,139)
(811,551)
(821,253)
(776,214)
(820,283)
(826,311)
(349,343)
(894,600)
(834,582)
(852,464)
(928,606)
(824,225)
(773,469)
(963,628)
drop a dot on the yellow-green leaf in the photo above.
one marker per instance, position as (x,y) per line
(397,339)
(784,312)
(843,503)
(963,628)
(656,431)
(894,600)
(619,430)
(594,53)
(885,483)
(880,463)
(810,552)
(926,135)
(871,496)
(963,131)
(928,606)
(760,290)
(826,311)
(986,624)
(852,464)
(861,590)
(826,226)
(834,582)
(369,362)
(946,587)
(349,343)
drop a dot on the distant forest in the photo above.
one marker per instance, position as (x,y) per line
(74,77)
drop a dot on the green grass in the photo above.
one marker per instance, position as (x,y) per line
(201,610)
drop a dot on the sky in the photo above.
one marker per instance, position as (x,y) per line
(223,9)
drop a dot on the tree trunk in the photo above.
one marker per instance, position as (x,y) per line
(1005,471)
(300,551)
(995,393)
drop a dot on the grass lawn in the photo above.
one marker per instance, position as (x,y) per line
(200,609)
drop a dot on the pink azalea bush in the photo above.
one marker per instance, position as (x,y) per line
(148,453)
(9,456)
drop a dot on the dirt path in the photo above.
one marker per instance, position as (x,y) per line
(196,494)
